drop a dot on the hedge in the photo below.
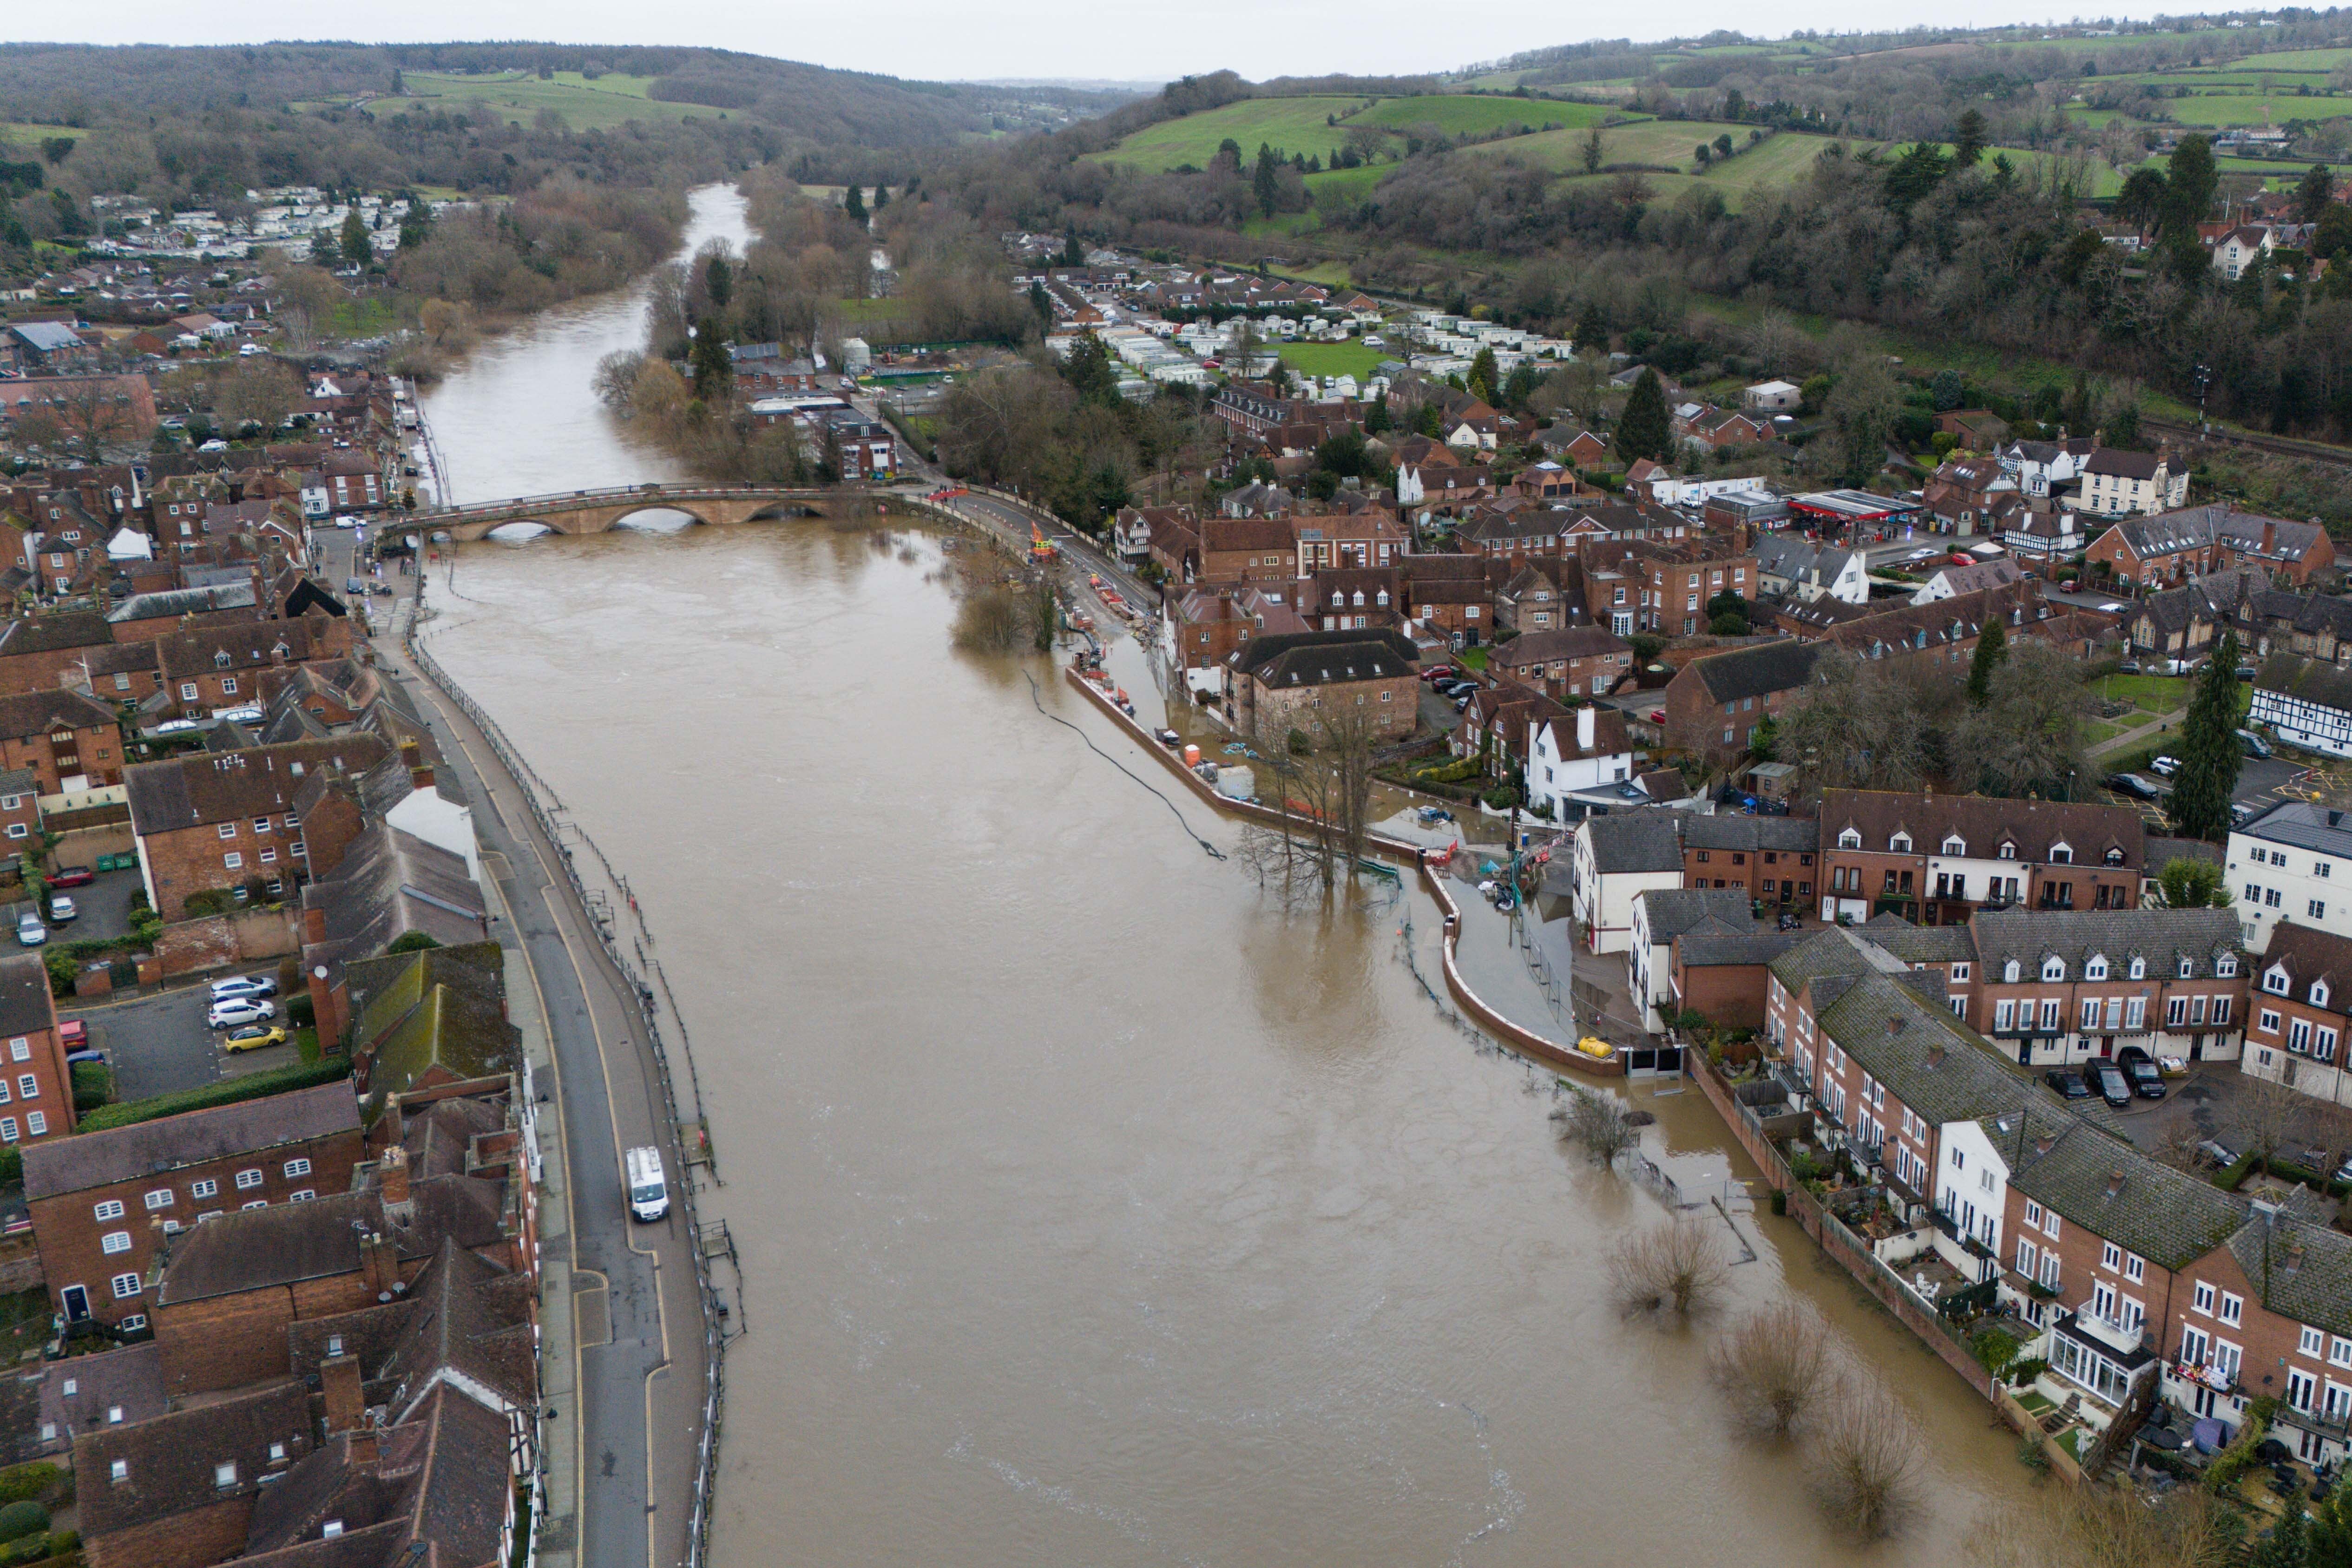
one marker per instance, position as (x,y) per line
(19,1519)
(25,1483)
(227,1091)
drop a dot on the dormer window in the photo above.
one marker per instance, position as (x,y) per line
(2054,967)
(2062,854)
(2114,855)
(2274,982)
(2319,993)
(224,1473)
(221,660)
(1850,839)
(2139,967)
(2008,851)
(2009,972)
(118,1471)
(2096,969)
(1899,844)
(1956,845)
(2226,965)
(2186,966)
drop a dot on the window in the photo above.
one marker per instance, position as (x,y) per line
(2339,1351)
(2221,1010)
(2050,1226)
(297,1168)
(224,1473)
(2033,1213)
(2233,1309)
(302,1196)
(2185,967)
(2110,1257)
(29,1087)
(2027,1256)
(245,1179)
(187,691)
(227,830)
(111,1210)
(35,1124)
(2268,1021)
(118,1470)
(2009,972)
(126,1286)
(7,1129)
(233,860)
(257,1203)
(2176,1012)
(2312,1342)
(2134,1267)
(2226,965)
(160,1198)
(206,1188)
(1960,971)
(2318,909)
(2054,967)
(2096,969)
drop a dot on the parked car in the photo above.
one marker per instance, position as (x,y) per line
(2165,766)
(2245,672)
(2147,1079)
(254,1037)
(84,1057)
(72,876)
(2128,667)
(2220,1152)
(2240,810)
(62,911)
(237,1010)
(2067,1082)
(2113,1087)
(2256,745)
(347,521)
(73,1034)
(2132,784)
(30,932)
(230,985)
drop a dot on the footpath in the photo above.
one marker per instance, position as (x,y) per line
(628,1368)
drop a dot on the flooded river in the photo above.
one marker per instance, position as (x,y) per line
(1092,1212)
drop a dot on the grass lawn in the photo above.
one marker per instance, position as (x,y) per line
(600,105)
(306,1044)
(1331,274)
(1471,658)
(1331,359)
(2247,109)
(1346,185)
(369,315)
(17,132)
(1287,125)
(2071,1440)
(1663,141)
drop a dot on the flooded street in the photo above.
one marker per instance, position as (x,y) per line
(1092,1212)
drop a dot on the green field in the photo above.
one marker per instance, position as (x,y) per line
(1331,359)
(603,104)
(17,133)
(1665,141)
(1287,125)
(1346,184)
(1456,113)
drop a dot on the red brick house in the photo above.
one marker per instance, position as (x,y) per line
(1713,704)
(1936,859)
(224,820)
(69,742)
(1248,549)
(1575,661)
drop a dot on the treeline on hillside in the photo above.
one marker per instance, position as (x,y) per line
(560,241)
(82,85)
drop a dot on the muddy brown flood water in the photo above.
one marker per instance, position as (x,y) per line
(1093,1210)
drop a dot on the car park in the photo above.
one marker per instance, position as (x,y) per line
(62,911)
(254,1037)
(2241,811)
(2112,1086)
(244,986)
(231,1011)
(2146,1080)
(2067,1084)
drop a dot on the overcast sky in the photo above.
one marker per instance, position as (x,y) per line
(957,40)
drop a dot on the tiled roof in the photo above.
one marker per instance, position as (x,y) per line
(1738,831)
(26,715)
(1675,910)
(2302,1270)
(2307,680)
(2160,937)
(167,1142)
(193,792)
(1921,944)
(1938,1066)
(1545,647)
(2094,1179)
(1983,823)
(1758,671)
(2304,956)
(169,1462)
(1635,842)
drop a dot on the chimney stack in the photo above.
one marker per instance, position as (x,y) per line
(363,1446)
(392,1175)
(338,1379)
(2115,1183)
(1584,727)
(379,1266)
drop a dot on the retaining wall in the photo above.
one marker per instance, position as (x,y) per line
(1525,1041)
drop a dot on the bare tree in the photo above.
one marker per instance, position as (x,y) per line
(1866,1459)
(1673,1269)
(262,393)
(2263,1116)
(1599,1121)
(2029,735)
(1776,1365)
(2103,1527)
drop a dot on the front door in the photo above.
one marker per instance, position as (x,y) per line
(77,1301)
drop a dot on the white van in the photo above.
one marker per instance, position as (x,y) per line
(648,1197)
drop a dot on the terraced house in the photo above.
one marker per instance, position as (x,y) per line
(2058,987)
(1939,858)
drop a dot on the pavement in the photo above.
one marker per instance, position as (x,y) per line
(635,1327)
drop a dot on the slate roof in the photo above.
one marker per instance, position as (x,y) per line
(54,633)
(2162,852)
(1756,672)
(1838,950)
(2323,829)
(130,1378)
(1738,831)
(2321,684)
(1675,910)
(2091,1179)
(2161,936)
(1635,842)
(1934,1064)
(470,1318)
(2194,527)
(1700,949)
(2121,465)
(1921,944)
(390,884)
(26,1006)
(167,1142)
(2305,955)
(1545,647)
(2302,1270)
(1314,657)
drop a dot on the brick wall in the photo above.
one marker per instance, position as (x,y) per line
(188,860)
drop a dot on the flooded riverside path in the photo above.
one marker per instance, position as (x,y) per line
(1092,1210)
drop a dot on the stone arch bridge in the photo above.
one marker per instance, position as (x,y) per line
(595,511)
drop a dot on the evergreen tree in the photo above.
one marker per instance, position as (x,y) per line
(1645,429)
(720,282)
(2288,1546)
(1043,304)
(1519,386)
(1968,140)
(2188,188)
(714,367)
(2209,753)
(1262,183)
(1483,377)
(1073,253)
(881,197)
(854,205)
(2313,194)
(1992,647)
(1591,336)
(2327,1542)
(356,249)
(1375,417)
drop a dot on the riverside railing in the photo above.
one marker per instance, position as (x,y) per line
(714,1337)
